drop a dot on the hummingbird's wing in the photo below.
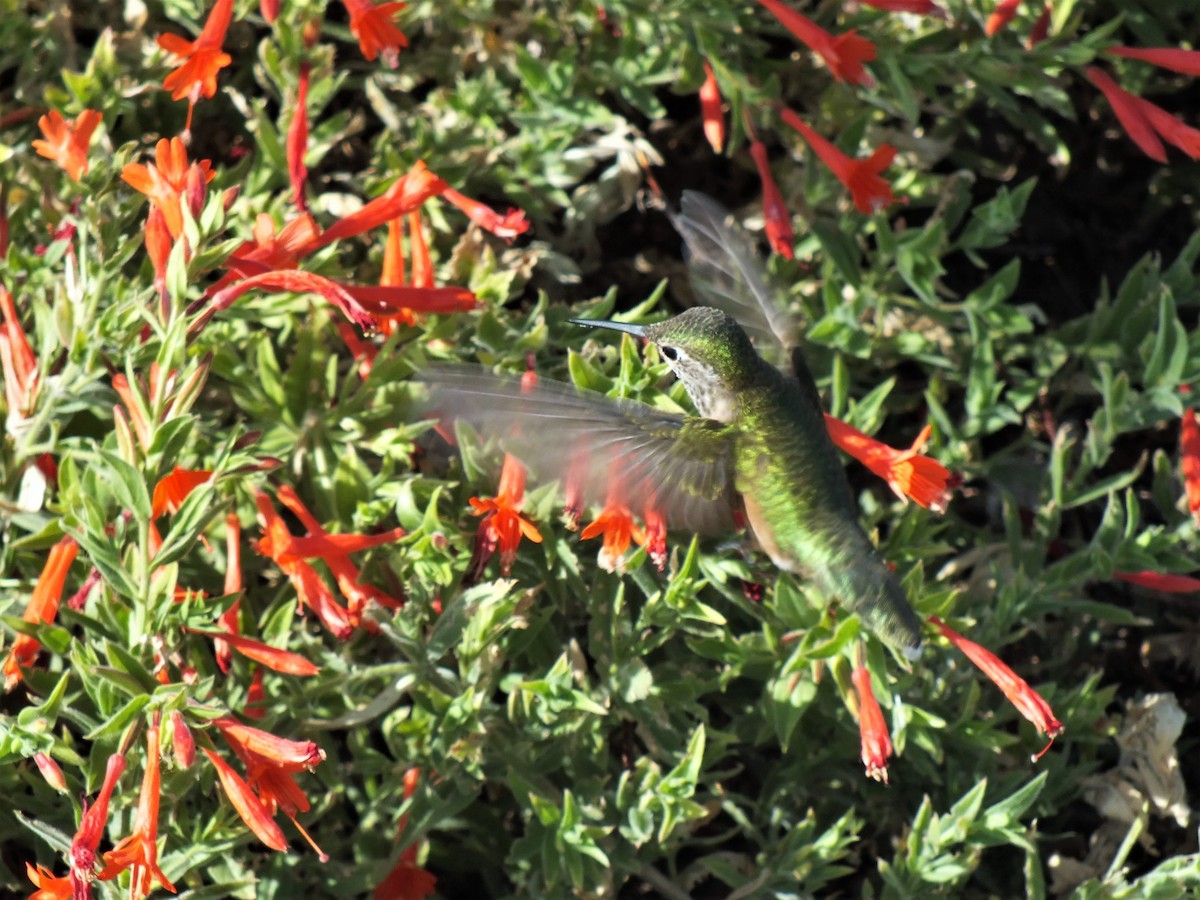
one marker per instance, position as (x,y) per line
(681,465)
(726,272)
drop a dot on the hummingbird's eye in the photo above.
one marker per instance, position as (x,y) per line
(669,352)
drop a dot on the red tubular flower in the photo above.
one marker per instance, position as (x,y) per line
(171,491)
(1005,12)
(844,54)
(139,851)
(270,763)
(18,360)
(775,212)
(203,59)
(333,549)
(710,110)
(159,244)
(406,194)
(165,183)
(248,806)
(407,881)
(297,140)
(183,745)
(655,535)
(43,607)
(909,474)
(1041,27)
(256,697)
(269,10)
(376,32)
(228,620)
(503,526)
(876,742)
(311,591)
(506,226)
(67,145)
(272,250)
(1027,701)
(1172,129)
(573,488)
(254,743)
(1174,58)
(861,177)
(51,771)
(91,829)
(1130,114)
(264,654)
(422,264)
(1161,581)
(616,524)
(1189,461)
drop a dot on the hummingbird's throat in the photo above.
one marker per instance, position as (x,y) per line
(712,398)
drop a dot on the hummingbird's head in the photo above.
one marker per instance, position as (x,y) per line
(707,349)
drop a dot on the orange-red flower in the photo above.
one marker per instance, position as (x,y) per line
(270,763)
(297,140)
(876,741)
(407,193)
(775,212)
(290,554)
(51,771)
(861,177)
(1005,12)
(506,226)
(1041,27)
(311,591)
(183,745)
(166,181)
(139,851)
(616,524)
(248,806)
(503,526)
(18,360)
(43,607)
(710,110)
(1161,581)
(1173,58)
(91,829)
(173,489)
(1189,461)
(655,535)
(376,32)
(227,621)
(1144,122)
(203,58)
(333,549)
(843,54)
(49,886)
(273,658)
(66,144)
(910,474)
(1027,701)
(407,881)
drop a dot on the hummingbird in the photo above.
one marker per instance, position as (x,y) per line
(757,452)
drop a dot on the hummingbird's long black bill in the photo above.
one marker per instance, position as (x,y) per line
(636,330)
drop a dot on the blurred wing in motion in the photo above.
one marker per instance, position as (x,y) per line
(727,272)
(681,465)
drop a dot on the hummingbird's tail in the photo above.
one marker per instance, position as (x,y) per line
(858,576)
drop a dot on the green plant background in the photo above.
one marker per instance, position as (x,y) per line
(583,733)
